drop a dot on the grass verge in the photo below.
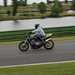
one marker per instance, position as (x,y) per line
(65,38)
(57,39)
(47,69)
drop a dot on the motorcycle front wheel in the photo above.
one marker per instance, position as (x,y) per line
(49,44)
(23,47)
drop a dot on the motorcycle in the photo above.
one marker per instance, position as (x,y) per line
(35,43)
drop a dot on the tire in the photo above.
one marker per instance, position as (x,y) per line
(23,47)
(49,44)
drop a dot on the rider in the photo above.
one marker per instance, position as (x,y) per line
(38,32)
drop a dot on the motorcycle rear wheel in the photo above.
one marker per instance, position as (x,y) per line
(23,47)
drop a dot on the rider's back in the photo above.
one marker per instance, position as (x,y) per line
(39,31)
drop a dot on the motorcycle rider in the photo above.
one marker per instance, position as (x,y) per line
(38,32)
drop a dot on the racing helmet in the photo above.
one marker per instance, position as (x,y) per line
(36,26)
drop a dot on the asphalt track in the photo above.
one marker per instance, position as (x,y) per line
(63,51)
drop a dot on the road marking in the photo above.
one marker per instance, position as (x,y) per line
(60,62)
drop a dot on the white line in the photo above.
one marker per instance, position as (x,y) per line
(60,62)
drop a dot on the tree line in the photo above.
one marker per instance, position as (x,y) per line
(56,8)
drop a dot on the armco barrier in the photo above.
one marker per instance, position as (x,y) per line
(19,35)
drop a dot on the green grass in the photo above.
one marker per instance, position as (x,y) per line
(9,42)
(49,69)
(56,39)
